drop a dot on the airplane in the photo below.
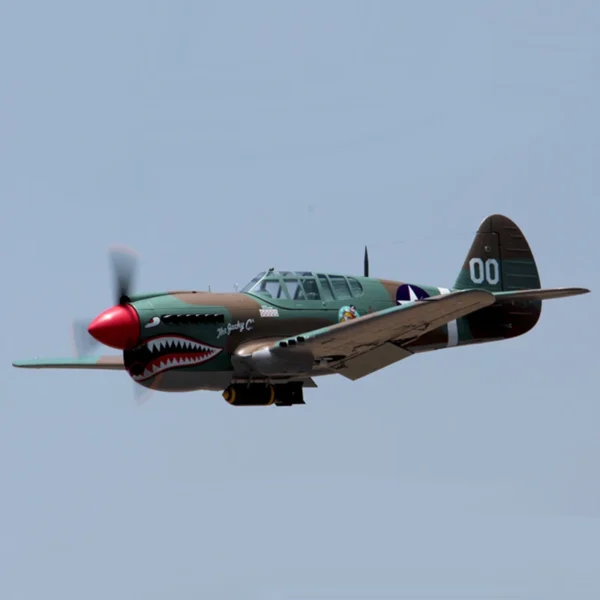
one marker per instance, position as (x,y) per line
(263,345)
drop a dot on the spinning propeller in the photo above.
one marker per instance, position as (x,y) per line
(119,326)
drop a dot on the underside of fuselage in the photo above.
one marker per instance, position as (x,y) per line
(182,380)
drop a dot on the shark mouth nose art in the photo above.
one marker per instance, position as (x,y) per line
(166,352)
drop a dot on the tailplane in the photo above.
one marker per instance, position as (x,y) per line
(541,294)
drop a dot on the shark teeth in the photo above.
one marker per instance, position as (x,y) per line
(175,343)
(174,352)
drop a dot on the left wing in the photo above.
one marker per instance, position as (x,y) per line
(106,363)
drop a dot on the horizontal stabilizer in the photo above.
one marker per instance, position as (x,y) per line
(539,294)
(106,363)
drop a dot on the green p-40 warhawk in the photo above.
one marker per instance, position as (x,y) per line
(264,344)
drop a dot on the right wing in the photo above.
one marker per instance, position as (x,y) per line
(398,323)
(366,336)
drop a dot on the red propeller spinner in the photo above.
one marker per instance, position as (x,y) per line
(117,327)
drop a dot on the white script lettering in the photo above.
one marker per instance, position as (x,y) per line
(239,326)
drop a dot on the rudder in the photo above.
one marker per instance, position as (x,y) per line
(500,259)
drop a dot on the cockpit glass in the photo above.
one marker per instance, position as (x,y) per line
(248,287)
(355,287)
(292,285)
(311,288)
(340,287)
(294,289)
(269,287)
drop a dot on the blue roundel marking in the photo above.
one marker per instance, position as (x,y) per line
(410,293)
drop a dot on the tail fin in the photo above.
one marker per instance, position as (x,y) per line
(499,260)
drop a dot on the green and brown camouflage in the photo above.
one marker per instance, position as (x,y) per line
(287,327)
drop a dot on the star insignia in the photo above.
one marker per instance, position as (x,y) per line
(412,297)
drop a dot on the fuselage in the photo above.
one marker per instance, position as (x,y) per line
(189,339)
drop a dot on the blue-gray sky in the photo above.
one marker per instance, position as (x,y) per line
(219,139)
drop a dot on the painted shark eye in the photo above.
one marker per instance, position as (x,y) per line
(153,322)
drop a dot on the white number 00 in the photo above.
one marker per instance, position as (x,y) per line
(490,271)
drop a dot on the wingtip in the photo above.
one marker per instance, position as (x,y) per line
(577,291)
(21,364)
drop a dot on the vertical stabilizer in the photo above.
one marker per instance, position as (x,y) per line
(500,259)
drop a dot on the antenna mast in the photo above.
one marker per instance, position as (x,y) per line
(366,262)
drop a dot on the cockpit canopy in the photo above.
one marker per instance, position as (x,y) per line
(303,285)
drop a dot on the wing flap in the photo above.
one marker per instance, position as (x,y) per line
(101,363)
(369,362)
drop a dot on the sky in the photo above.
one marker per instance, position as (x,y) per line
(221,139)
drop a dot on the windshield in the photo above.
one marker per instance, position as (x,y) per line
(267,285)
(254,281)
(280,285)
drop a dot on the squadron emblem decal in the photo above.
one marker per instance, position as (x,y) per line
(346,313)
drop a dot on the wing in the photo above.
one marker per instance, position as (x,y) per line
(106,363)
(360,346)
(406,322)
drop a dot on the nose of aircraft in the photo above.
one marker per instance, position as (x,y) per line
(118,327)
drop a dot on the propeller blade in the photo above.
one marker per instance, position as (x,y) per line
(142,394)
(124,264)
(83,342)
